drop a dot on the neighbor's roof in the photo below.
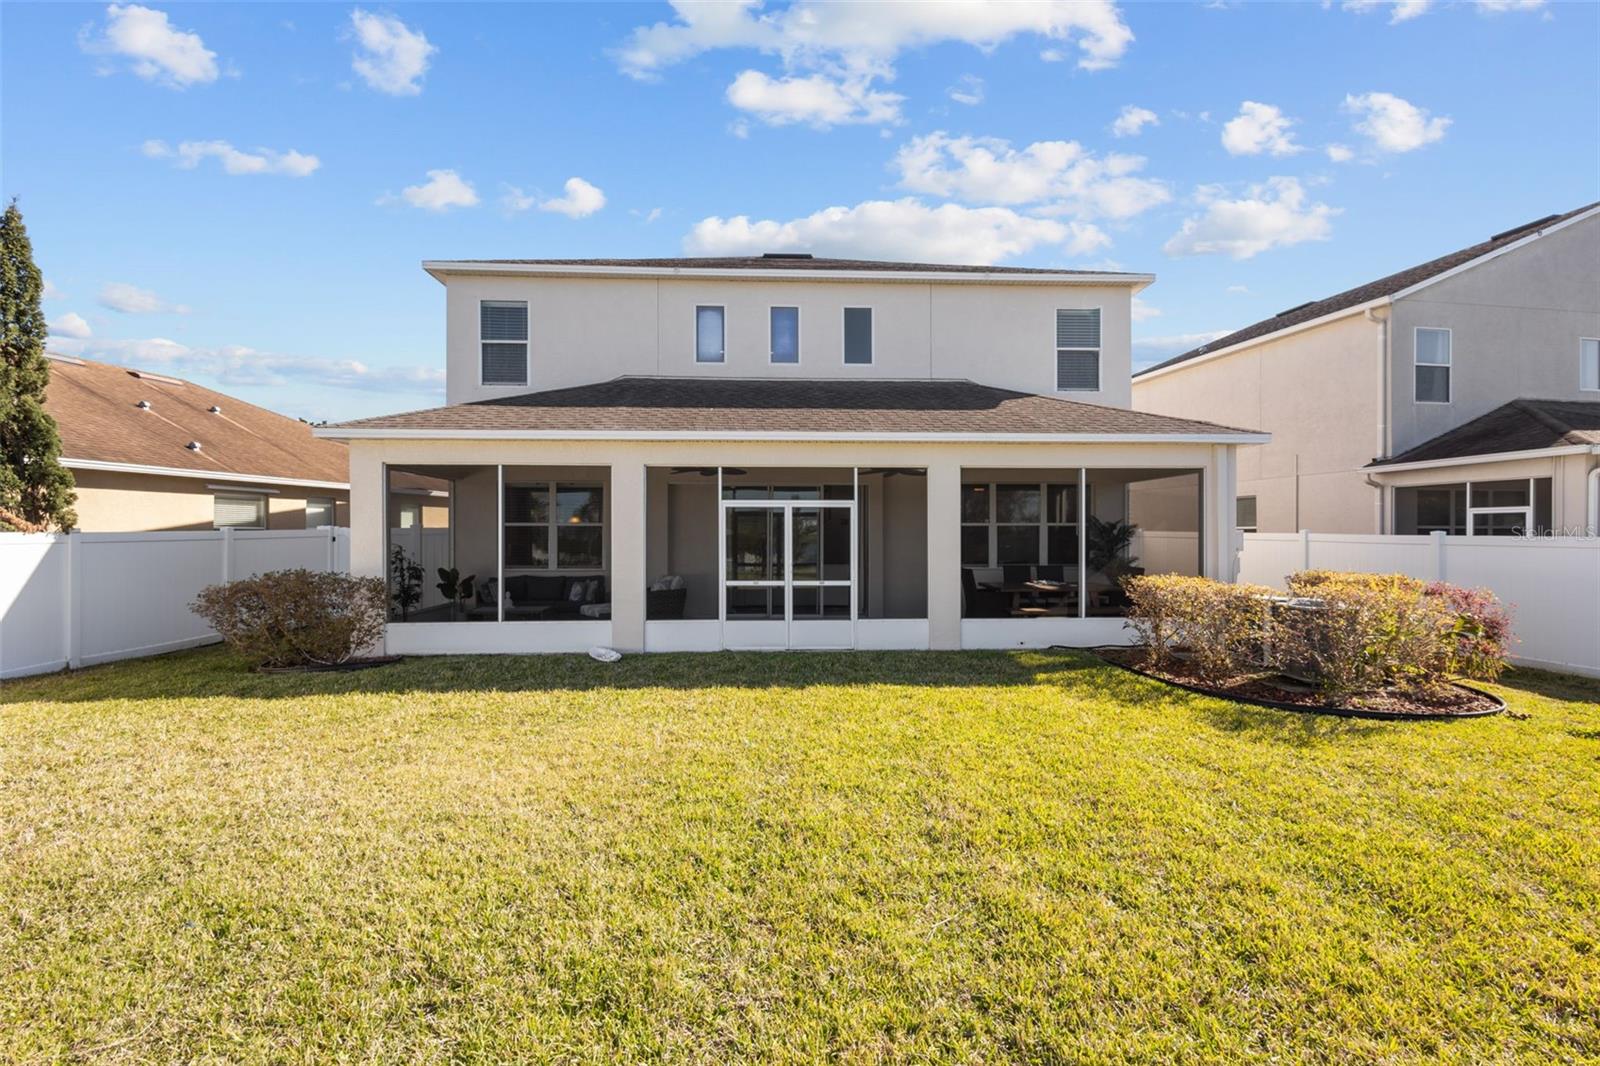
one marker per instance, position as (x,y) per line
(1372,290)
(1518,426)
(737,408)
(774,264)
(96,406)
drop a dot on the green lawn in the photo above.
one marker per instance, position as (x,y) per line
(897,857)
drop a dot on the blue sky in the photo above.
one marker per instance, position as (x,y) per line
(242,193)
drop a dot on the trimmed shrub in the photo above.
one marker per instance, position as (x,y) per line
(1316,582)
(1220,625)
(296,617)
(1481,636)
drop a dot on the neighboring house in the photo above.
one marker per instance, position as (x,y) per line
(152,452)
(1385,402)
(784,452)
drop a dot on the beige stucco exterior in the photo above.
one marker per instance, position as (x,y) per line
(589,329)
(118,502)
(1339,393)
(628,465)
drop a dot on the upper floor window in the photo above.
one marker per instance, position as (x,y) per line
(503,335)
(1589,363)
(1433,366)
(858,336)
(785,334)
(1078,349)
(710,344)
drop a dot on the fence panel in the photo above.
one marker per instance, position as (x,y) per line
(83,598)
(1551,584)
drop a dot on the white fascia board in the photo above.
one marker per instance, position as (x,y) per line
(214,475)
(441,268)
(1287,331)
(1477,460)
(334,433)
(1496,254)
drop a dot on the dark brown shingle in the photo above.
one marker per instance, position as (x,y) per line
(1519,426)
(744,405)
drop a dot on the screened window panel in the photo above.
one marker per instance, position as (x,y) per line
(1244,512)
(1063,503)
(528,546)
(1433,347)
(238,512)
(1433,384)
(1589,364)
(1500,493)
(858,335)
(579,547)
(579,504)
(502,320)
(1062,545)
(1078,371)
(1078,328)
(1016,503)
(1017,544)
(974,545)
(785,334)
(527,503)
(505,364)
(975,503)
(708,335)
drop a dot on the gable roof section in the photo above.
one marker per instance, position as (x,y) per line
(1389,286)
(779,266)
(96,406)
(745,408)
(1518,426)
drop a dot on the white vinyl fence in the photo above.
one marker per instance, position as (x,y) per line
(1551,584)
(75,599)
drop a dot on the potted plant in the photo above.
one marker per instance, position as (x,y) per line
(455,588)
(405,582)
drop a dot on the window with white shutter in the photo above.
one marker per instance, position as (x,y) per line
(503,334)
(1078,349)
(239,512)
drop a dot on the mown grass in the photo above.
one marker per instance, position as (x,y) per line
(899,857)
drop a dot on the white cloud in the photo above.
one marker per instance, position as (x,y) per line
(132,300)
(1274,214)
(156,50)
(239,366)
(51,292)
(866,34)
(581,200)
(443,190)
(646,217)
(1259,128)
(816,100)
(1143,312)
(390,56)
(1340,153)
(1242,290)
(897,229)
(1148,350)
(1399,10)
(1500,7)
(188,155)
(514,200)
(1132,119)
(70,324)
(1393,124)
(1062,177)
(968,90)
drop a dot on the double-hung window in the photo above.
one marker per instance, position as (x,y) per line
(239,512)
(1589,364)
(1078,349)
(1019,524)
(785,334)
(503,336)
(858,336)
(710,337)
(555,526)
(1432,365)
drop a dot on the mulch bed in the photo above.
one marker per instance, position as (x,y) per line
(331,668)
(1288,694)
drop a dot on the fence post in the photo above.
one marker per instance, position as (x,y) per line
(72,629)
(333,549)
(227,554)
(1305,549)
(1437,536)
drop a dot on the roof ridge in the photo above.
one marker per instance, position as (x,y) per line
(1544,417)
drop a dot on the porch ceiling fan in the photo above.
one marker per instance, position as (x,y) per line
(708,471)
(892,471)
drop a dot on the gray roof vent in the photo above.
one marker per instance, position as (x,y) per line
(193,446)
(143,405)
(214,409)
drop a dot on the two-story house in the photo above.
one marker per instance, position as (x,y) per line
(1461,395)
(784,452)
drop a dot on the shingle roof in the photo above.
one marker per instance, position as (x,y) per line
(801,407)
(96,406)
(797,263)
(1372,290)
(1518,426)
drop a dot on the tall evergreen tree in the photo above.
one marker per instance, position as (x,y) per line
(33,483)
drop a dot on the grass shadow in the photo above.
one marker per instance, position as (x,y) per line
(1568,688)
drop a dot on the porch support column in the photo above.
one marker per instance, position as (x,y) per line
(944,554)
(1219,486)
(629,540)
(369,503)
